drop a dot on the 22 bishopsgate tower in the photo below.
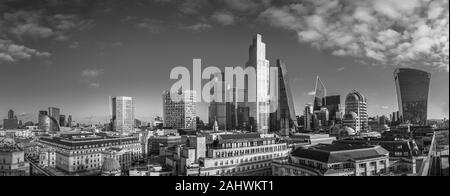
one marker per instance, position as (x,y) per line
(260,109)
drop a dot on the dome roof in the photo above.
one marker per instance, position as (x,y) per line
(110,164)
(347,131)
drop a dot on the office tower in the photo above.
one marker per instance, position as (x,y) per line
(320,94)
(412,93)
(54,113)
(11,114)
(242,111)
(259,110)
(284,119)
(180,109)
(12,122)
(62,120)
(222,108)
(123,114)
(44,121)
(69,121)
(308,117)
(356,107)
(322,116)
(333,104)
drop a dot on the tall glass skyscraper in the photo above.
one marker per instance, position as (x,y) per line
(54,113)
(260,111)
(333,104)
(123,114)
(412,93)
(320,94)
(284,119)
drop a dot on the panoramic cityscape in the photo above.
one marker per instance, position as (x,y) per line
(301,88)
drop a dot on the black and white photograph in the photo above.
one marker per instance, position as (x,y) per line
(243,90)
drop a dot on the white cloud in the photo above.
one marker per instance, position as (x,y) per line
(224,18)
(199,27)
(151,25)
(394,32)
(90,77)
(91,73)
(11,52)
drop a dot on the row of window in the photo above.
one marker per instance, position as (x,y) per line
(242,169)
(236,153)
(247,160)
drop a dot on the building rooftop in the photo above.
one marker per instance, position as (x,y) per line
(336,153)
(87,141)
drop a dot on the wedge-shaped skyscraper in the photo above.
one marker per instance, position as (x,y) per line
(284,119)
(320,94)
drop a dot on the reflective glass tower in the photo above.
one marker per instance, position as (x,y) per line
(284,119)
(320,94)
(412,93)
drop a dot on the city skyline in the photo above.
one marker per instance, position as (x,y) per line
(85,66)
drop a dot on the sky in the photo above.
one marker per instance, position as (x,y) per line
(74,54)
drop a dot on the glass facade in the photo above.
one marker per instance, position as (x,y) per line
(320,94)
(333,104)
(284,118)
(412,93)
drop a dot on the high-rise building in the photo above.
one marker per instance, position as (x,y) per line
(322,116)
(62,120)
(412,93)
(260,109)
(222,108)
(284,119)
(54,113)
(69,121)
(47,123)
(11,114)
(44,121)
(12,122)
(308,117)
(180,109)
(242,112)
(333,104)
(356,107)
(319,96)
(123,114)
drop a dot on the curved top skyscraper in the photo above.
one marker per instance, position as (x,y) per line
(356,105)
(412,92)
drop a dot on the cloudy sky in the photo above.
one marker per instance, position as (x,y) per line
(74,54)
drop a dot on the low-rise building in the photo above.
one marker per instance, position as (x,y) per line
(12,161)
(151,170)
(334,160)
(85,152)
(235,155)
